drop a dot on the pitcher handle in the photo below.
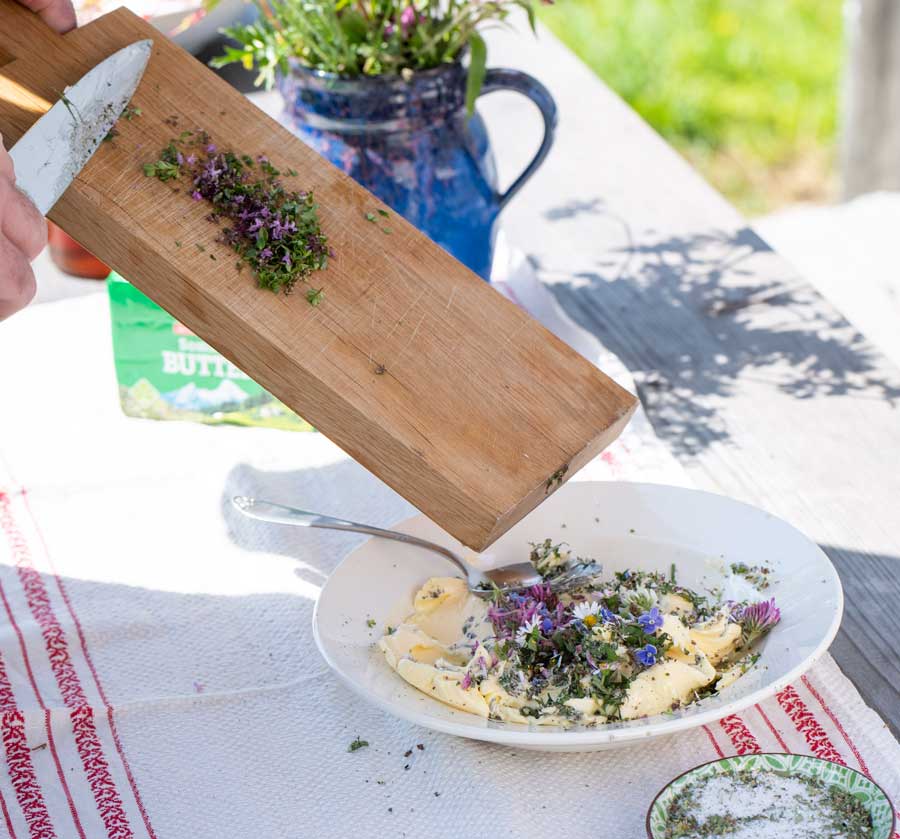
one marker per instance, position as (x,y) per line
(502,79)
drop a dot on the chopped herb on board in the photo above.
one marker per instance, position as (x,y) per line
(274,230)
(357,744)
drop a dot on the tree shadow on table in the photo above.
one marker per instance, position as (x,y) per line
(320,489)
(689,315)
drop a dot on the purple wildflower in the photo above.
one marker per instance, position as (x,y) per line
(407,19)
(196,195)
(211,148)
(758,618)
(286,259)
(466,682)
(646,655)
(389,30)
(651,621)
(265,254)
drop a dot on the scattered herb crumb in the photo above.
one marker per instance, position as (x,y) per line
(111,135)
(380,369)
(132,111)
(177,244)
(200,247)
(370,217)
(314,296)
(405,768)
(357,744)
(370,622)
(420,747)
(407,753)
(292,172)
(384,213)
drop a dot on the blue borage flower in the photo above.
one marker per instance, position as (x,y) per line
(646,655)
(651,621)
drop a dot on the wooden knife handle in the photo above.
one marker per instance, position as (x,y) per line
(23,33)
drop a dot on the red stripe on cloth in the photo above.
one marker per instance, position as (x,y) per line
(741,736)
(806,723)
(59,770)
(87,741)
(837,724)
(23,778)
(109,710)
(712,740)
(90,663)
(18,545)
(774,730)
(6,818)
(21,769)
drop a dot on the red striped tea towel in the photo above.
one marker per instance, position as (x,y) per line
(159,678)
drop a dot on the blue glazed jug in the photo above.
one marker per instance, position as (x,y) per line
(412,145)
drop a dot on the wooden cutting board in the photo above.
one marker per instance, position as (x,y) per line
(418,369)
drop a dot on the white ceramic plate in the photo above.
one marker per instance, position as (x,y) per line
(623,525)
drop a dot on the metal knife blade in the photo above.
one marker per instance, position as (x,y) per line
(55,149)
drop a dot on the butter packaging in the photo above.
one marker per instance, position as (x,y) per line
(165,372)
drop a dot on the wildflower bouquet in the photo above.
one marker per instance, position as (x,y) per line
(368,37)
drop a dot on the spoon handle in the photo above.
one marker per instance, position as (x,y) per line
(279,514)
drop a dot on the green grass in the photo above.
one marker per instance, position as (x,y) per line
(746,89)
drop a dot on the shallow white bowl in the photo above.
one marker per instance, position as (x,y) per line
(623,525)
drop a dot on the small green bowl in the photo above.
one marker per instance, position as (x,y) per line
(833,774)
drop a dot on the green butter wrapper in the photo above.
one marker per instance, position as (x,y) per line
(166,372)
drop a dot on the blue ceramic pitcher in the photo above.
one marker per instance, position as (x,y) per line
(412,145)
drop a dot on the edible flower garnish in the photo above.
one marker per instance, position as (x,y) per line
(757,618)
(646,655)
(651,621)
(587,613)
(274,230)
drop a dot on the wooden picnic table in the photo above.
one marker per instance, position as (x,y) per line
(760,387)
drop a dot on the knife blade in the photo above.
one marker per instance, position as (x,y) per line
(56,148)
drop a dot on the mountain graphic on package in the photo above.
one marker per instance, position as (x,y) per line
(165,372)
(227,396)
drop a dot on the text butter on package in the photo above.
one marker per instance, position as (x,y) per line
(166,372)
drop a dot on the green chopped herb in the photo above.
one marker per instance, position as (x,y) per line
(384,213)
(292,172)
(357,744)
(131,112)
(177,244)
(274,230)
(370,217)
(370,622)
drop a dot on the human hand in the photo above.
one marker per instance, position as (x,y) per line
(57,14)
(23,234)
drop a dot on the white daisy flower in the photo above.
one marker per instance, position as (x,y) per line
(583,610)
(526,629)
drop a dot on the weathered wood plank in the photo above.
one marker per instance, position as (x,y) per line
(757,383)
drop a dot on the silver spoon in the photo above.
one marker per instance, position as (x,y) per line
(520,575)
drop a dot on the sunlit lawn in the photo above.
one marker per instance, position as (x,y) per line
(747,89)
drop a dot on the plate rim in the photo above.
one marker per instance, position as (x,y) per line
(763,754)
(598,736)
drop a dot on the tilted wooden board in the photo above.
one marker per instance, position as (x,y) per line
(414,366)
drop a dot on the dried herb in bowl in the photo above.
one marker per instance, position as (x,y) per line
(274,230)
